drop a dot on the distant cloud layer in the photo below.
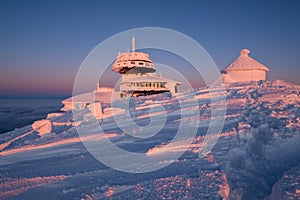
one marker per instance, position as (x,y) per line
(16,113)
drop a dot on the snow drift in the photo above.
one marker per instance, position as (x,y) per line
(255,157)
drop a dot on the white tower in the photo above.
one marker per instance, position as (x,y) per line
(138,75)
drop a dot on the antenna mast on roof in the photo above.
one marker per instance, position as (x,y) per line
(133,43)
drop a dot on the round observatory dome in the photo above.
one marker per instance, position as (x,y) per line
(138,60)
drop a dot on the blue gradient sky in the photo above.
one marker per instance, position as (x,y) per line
(42,43)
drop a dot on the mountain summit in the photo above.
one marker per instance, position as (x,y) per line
(256,155)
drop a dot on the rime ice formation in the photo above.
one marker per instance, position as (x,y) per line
(42,126)
(138,75)
(100,95)
(244,69)
(256,155)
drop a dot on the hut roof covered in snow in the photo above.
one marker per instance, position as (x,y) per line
(245,62)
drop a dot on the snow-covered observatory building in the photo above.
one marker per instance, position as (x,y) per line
(244,69)
(138,75)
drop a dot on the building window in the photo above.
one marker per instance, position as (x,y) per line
(132,62)
(141,63)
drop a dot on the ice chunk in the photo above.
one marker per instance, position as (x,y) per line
(42,126)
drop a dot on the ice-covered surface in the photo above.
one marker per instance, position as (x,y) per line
(43,126)
(244,69)
(256,155)
(245,62)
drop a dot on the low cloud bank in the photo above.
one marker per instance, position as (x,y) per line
(16,113)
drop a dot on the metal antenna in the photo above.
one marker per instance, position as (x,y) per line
(133,43)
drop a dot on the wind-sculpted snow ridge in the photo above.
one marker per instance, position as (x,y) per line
(256,155)
(271,145)
(11,187)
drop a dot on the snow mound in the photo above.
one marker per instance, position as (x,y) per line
(43,126)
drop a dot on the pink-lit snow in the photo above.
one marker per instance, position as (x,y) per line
(256,155)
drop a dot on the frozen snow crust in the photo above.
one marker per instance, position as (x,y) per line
(256,155)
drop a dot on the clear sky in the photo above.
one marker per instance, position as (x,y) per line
(42,43)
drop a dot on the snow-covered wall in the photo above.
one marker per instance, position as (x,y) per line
(244,76)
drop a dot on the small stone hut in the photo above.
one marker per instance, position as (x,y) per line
(244,69)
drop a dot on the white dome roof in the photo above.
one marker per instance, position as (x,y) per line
(129,60)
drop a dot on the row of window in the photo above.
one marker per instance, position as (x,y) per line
(132,62)
(147,84)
